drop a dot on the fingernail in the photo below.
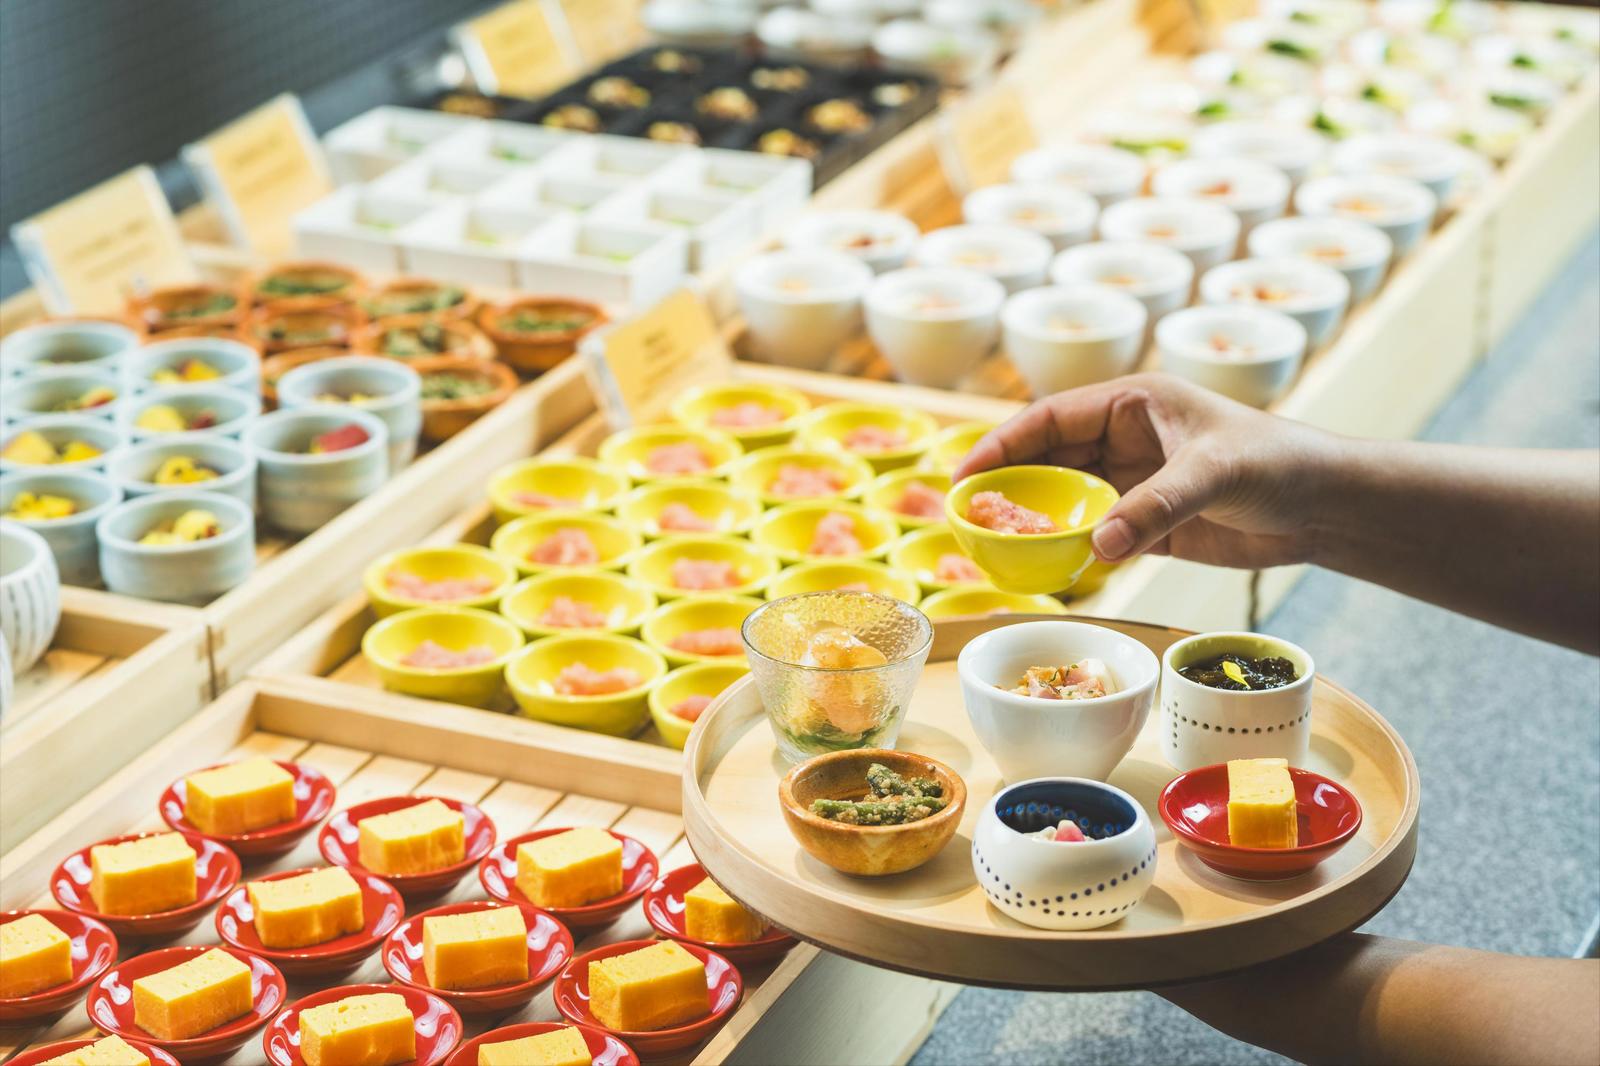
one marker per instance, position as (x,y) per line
(1113,539)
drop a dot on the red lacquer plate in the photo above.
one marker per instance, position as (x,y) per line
(498,875)
(216,872)
(339,841)
(34,1056)
(381,906)
(664,910)
(723,983)
(604,1049)
(549,948)
(110,1003)
(1195,807)
(94,949)
(438,1026)
(313,799)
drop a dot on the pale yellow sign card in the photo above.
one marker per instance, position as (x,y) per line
(637,367)
(516,49)
(603,29)
(985,134)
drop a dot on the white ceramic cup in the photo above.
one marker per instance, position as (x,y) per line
(52,346)
(30,595)
(41,395)
(954,57)
(1157,276)
(1015,257)
(1250,354)
(934,326)
(1312,294)
(134,468)
(1060,338)
(239,364)
(1206,232)
(1062,215)
(1402,208)
(176,573)
(1108,174)
(800,305)
(1292,150)
(1202,726)
(301,492)
(396,391)
(881,239)
(71,539)
(1435,162)
(1359,251)
(1255,191)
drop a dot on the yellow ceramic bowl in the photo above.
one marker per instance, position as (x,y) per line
(885,492)
(731,510)
(828,427)
(756,471)
(653,564)
(614,540)
(698,407)
(701,679)
(978,603)
(789,530)
(826,576)
(532,676)
(952,445)
(629,450)
(1038,562)
(593,486)
(457,628)
(624,601)
(672,620)
(449,562)
(918,553)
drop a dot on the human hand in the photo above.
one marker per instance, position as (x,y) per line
(1201,477)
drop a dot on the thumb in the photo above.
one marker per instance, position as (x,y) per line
(1151,510)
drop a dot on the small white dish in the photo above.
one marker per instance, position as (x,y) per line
(1457,20)
(955,57)
(1255,191)
(1333,118)
(1048,884)
(1060,338)
(1250,354)
(780,187)
(934,326)
(392,391)
(30,595)
(1391,89)
(1032,737)
(630,264)
(881,239)
(359,227)
(1206,232)
(795,33)
(697,23)
(1108,174)
(1313,294)
(436,177)
(1379,48)
(1017,258)
(41,395)
(1302,42)
(230,410)
(474,244)
(1157,276)
(238,365)
(133,469)
(1435,162)
(1270,77)
(1527,94)
(105,437)
(720,226)
(1403,209)
(71,539)
(1496,132)
(376,141)
(1151,135)
(192,573)
(1359,251)
(1062,215)
(50,347)
(800,305)
(301,491)
(1293,150)
(1203,726)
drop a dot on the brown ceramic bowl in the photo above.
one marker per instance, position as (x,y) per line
(275,366)
(275,329)
(171,308)
(443,419)
(536,352)
(867,850)
(464,340)
(463,309)
(353,286)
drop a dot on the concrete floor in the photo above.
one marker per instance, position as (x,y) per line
(1509,849)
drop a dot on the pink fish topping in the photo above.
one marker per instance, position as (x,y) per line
(796,480)
(565,547)
(565,612)
(702,575)
(691,708)
(921,500)
(954,569)
(835,535)
(431,656)
(545,501)
(874,439)
(993,511)
(413,587)
(1067,832)
(720,641)
(681,518)
(1085,680)
(580,680)
(683,458)
(747,415)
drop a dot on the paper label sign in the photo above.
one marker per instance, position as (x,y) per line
(637,367)
(984,135)
(86,255)
(259,171)
(516,49)
(603,29)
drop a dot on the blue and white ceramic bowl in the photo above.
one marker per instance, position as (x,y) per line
(1060,885)
(230,409)
(238,364)
(395,390)
(71,539)
(134,469)
(61,430)
(301,491)
(52,347)
(42,395)
(192,573)
(30,594)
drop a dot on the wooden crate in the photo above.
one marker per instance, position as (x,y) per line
(522,782)
(117,678)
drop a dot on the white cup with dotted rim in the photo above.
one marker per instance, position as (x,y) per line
(1203,726)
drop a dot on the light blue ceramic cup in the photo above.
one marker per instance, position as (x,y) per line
(134,469)
(395,388)
(61,430)
(231,410)
(239,364)
(72,539)
(301,491)
(193,573)
(41,395)
(51,347)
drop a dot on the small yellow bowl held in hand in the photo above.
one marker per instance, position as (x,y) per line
(792,531)
(623,601)
(522,538)
(952,445)
(980,603)
(718,407)
(887,491)
(535,673)
(388,642)
(672,627)
(635,451)
(556,484)
(702,679)
(759,471)
(456,562)
(858,575)
(1033,563)
(660,565)
(831,427)
(920,553)
(728,509)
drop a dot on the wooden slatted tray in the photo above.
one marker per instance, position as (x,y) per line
(521,782)
(934,920)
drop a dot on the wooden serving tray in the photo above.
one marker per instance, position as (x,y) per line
(1194,923)
(521,784)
